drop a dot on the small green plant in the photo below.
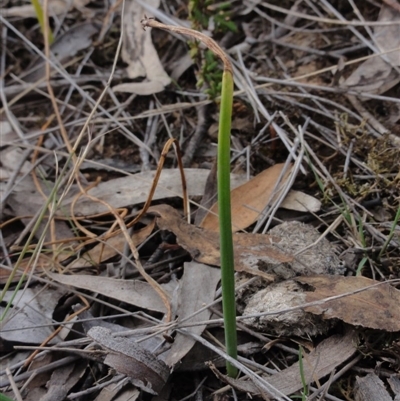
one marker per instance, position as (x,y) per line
(5,398)
(40,17)
(201,12)
(304,393)
(391,234)
(224,191)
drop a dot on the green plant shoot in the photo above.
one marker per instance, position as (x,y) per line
(40,17)
(224,191)
(201,13)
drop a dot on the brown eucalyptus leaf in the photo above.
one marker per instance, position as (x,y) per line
(128,357)
(250,199)
(251,250)
(376,307)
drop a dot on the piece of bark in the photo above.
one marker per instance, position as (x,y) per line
(371,388)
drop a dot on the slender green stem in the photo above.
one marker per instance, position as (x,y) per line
(304,393)
(39,15)
(224,194)
(225,219)
(391,234)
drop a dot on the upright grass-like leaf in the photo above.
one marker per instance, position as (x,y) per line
(391,234)
(40,17)
(224,194)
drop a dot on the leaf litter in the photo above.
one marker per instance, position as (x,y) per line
(344,185)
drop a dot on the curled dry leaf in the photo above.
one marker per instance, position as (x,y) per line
(376,307)
(128,357)
(251,250)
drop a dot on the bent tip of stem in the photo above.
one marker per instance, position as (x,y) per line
(145,21)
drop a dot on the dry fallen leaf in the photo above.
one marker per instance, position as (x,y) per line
(320,362)
(250,199)
(376,75)
(251,250)
(133,292)
(394,383)
(129,394)
(28,320)
(11,158)
(135,188)
(376,307)
(66,46)
(371,388)
(140,55)
(108,249)
(56,7)
(63,379)
(198,286)
(113,392)
(297,200)
(144,369)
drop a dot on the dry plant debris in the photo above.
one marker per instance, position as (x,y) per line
(250,198)
(83,122)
